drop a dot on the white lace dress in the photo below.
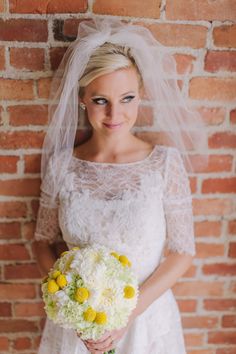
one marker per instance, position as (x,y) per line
(136,208)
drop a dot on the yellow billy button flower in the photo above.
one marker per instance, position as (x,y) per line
(52,286)
(114,254)
(61,281)
(129,292)
(124,260)
(101,318)
(75,248)
(90,314)
(63,253)
(81,295)
(55,274)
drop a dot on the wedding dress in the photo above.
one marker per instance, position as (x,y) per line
(137,209)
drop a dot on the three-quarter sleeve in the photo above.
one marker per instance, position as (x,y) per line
(178,205)
(47,225)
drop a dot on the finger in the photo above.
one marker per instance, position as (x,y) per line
(101,339)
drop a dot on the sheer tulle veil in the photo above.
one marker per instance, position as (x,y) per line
(181,126)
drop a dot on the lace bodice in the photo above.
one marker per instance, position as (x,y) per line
(135,208)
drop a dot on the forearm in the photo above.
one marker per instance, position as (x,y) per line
(163,278)
(44,256)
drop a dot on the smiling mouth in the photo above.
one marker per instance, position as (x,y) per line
(112,126)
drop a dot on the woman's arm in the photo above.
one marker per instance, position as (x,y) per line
(44,255)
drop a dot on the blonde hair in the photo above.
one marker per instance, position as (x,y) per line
(106,59)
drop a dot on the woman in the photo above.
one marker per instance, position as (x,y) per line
(116,189)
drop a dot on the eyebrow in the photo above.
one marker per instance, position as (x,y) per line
(94,94)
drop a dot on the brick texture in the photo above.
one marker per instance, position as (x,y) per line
(201,34)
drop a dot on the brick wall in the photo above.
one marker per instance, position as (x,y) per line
(202,35)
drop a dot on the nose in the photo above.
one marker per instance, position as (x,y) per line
(113,111)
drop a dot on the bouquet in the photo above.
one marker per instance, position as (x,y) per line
(91,290)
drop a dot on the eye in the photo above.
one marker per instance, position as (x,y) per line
(99,101)
(128,98)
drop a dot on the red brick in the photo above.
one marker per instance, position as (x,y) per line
(20,187)
(13,326)
(219,185)
(134,8)
(23,30)
(194,339)
(200,10)
(16,89)
(8,164)
(212,116)
(44,87)
(212,206)
(28,230)
(2,5)
(193,184)
(29,309)
(27,58)
(220,304)
(199,288)
(225,139)
(233,116)
(225,36)
(35,206)
(220,60)
(220,337)
(22,343)
(219,269)
(14,252)
(231,350)
(21,139)
(32,163)
(212,88)
(4,343)
(56,55)
(216,163)
(187,305)
(13,209)
(45,6)
(232,250)
(206,250)
(28,115)
(2,58)
(200,322)
(207,229)
(22,271)
(229,321)
(232,227)
(10,230)
(70,26)
(179,35)
(190,273)
(202,351)
(184,63)
(17,291)
(5,309)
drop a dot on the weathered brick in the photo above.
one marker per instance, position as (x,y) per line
(200,321)
(5,309)
(232,250)
(28,115)
(231,350)
(23,30)
(212,88)
(28,229)
(134,8)
(4,343)
(21,139)
(2,5)
(228,321)
(199,288)
(13,326)
(201,10)
(193,36)
(10,230)
(29,309)
(184,63)
(232,227)
(233,116)
(194,339)
(8,164)
(206,250)
(220,60)
(56,55)
(44,87)
(225,36)
(20,187)
(207,228)
(17,291)
(45,6)
(22,343)
(224,139)
(219,185)
(212,206)
(2,58)
(220,337)
(27,58)
(14,252)
(32,163)
(22,271)
(216,163)
(212,116)
(219,269)
(11,89)
(220,304)
(187,305)
(13,209)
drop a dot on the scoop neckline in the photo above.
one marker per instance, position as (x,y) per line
(116,163)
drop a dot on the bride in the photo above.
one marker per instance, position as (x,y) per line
(115,188)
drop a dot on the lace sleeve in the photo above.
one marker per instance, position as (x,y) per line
(178,205)
(47,226)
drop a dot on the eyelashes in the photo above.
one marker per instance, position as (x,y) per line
(102,101)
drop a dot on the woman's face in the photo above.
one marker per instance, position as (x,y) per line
(112,101)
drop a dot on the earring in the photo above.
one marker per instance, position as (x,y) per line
(82,105)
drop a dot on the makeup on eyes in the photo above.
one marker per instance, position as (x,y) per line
(102,100)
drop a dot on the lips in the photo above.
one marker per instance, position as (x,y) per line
(112,126)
